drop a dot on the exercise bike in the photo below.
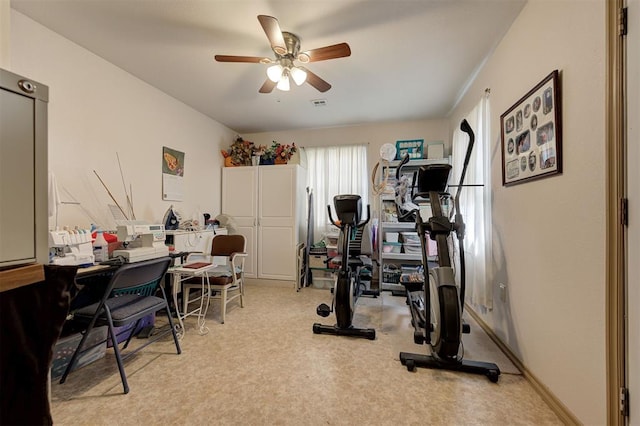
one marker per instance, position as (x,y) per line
(435,301)
(347,287)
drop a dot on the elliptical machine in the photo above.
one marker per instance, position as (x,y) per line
(435,301)
(347,287)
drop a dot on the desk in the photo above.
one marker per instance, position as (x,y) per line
(193,241)
(180,274)
(90,271)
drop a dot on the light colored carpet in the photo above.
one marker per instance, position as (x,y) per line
(265,366)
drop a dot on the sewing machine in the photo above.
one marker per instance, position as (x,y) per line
(141,241)
(71,247)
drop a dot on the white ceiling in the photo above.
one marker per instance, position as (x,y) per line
(411,59)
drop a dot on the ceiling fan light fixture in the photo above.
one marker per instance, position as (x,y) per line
(304,57)
(299,75)
(286,47)
(274,72)
(280,50)
(283,84)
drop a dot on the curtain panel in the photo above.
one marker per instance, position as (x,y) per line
(475,205)
(332,171)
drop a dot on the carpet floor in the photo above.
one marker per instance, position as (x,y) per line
(265,366)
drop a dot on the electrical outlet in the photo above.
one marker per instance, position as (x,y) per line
(503,292)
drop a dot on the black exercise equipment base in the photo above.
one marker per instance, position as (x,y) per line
(489,369)
(367,333)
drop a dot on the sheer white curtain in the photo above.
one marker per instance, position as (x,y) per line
(335,170)
(475,205)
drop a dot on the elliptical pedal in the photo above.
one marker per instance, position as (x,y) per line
(323,310)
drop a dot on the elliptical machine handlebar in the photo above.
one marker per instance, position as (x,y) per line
(405,160)
(465,127)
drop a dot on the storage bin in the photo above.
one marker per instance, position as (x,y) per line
(412,248)
(388,247)
(410,238)
(322,278)
(391,237)
(317,261)
(123,332)
(95,348)
(331,239)
(410,269)
(316,251)
(391,274)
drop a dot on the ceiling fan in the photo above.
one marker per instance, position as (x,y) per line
(286,47)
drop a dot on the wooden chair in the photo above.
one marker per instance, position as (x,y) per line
(129,297)
(226,280)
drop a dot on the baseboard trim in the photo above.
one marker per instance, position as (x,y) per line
(561,410)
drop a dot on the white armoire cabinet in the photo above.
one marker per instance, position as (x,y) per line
(267,204)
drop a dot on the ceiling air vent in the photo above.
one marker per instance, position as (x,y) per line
(319,102)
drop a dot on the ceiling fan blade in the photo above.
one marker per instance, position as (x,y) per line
(274,34)
(316,81)
(340,50)
(267,87)
(231,58)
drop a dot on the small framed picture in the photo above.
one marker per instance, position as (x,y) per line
(531,134)
(412,147)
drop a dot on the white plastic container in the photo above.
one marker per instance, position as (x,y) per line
(391,237)
(410,238)
(412,248)
(100,248)
(388,247)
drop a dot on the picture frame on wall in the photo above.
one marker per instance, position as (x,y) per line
(531,134)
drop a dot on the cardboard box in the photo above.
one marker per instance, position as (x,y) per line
(317,261)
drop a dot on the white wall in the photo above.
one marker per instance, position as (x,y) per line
(5,25)
(97,110)
(549,234)
(374,135)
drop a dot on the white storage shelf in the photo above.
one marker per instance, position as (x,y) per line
(399,259)
(402,256)
(392,226)
(413,164)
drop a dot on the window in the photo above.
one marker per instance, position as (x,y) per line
(332,171)
(475,205)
